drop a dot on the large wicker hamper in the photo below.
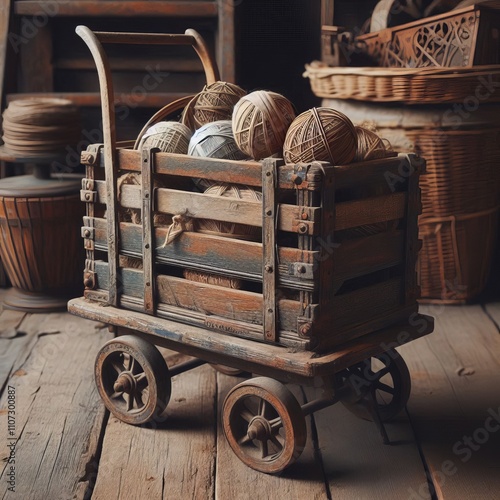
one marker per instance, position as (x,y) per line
(460,193)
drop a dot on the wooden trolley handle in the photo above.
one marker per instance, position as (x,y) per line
(94,41)
(191,37)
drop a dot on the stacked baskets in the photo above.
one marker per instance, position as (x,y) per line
(453,124)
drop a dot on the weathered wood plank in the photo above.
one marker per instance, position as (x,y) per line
(269,310)
(203,252)
(35,65)
(383,171)
(455,403)
(15,343)
(370,211)
(120,9)
(207,299)
(173,458)
(58,412)
(302,480)
(10,322)
(493,309)
(246,354)
(366,255)
(226,40)
(356,462)
(363,304)
(201,206)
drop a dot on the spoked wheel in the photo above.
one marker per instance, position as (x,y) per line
(383,381)
(264,424)
(228,370)
(132,379)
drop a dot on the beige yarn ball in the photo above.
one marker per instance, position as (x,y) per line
(370,145)
(321,134)
(260,122)
(226,229)
(169,137)
(229,229)
(214,103)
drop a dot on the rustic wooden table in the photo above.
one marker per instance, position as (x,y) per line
(67,445)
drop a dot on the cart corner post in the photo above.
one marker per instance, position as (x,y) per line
(415,167)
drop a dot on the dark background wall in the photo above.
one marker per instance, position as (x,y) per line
(274,40)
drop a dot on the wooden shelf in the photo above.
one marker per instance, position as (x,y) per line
(172,64)
(122,8)
(93,99)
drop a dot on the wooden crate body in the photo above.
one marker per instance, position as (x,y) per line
(337,258)
(463,37)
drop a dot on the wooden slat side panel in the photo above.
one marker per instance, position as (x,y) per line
(385,170)
(366,255)
(233,258)
(207,299)
(365,303)
(247,173)
(370,211)
(203,206)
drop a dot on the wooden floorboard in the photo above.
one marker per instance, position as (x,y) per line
(58,413)
(357,463)
(67,448)
(493,310)
(173,459)
(455,403)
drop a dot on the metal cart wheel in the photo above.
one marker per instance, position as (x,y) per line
(381,384)
(132,379)
(264,424)
(227,370)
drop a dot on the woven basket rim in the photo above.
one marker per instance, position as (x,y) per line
(317,69)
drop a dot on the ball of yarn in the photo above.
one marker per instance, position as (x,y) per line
(370,145)
(321,134)
(260,122)
(226,229)
(215,140)
(214,103)
(229,229)
(169,137)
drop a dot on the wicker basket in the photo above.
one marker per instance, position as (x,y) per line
(460,196)
(461,37)
(411,86)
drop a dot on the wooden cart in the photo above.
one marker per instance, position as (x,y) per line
(330,291)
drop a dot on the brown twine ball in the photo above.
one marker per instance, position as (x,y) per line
(260,122)
(214,103)
(169,137)
(370,145)
(229,229)
(226,229)
(321,134)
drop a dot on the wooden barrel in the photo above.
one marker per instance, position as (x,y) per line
(41,249)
